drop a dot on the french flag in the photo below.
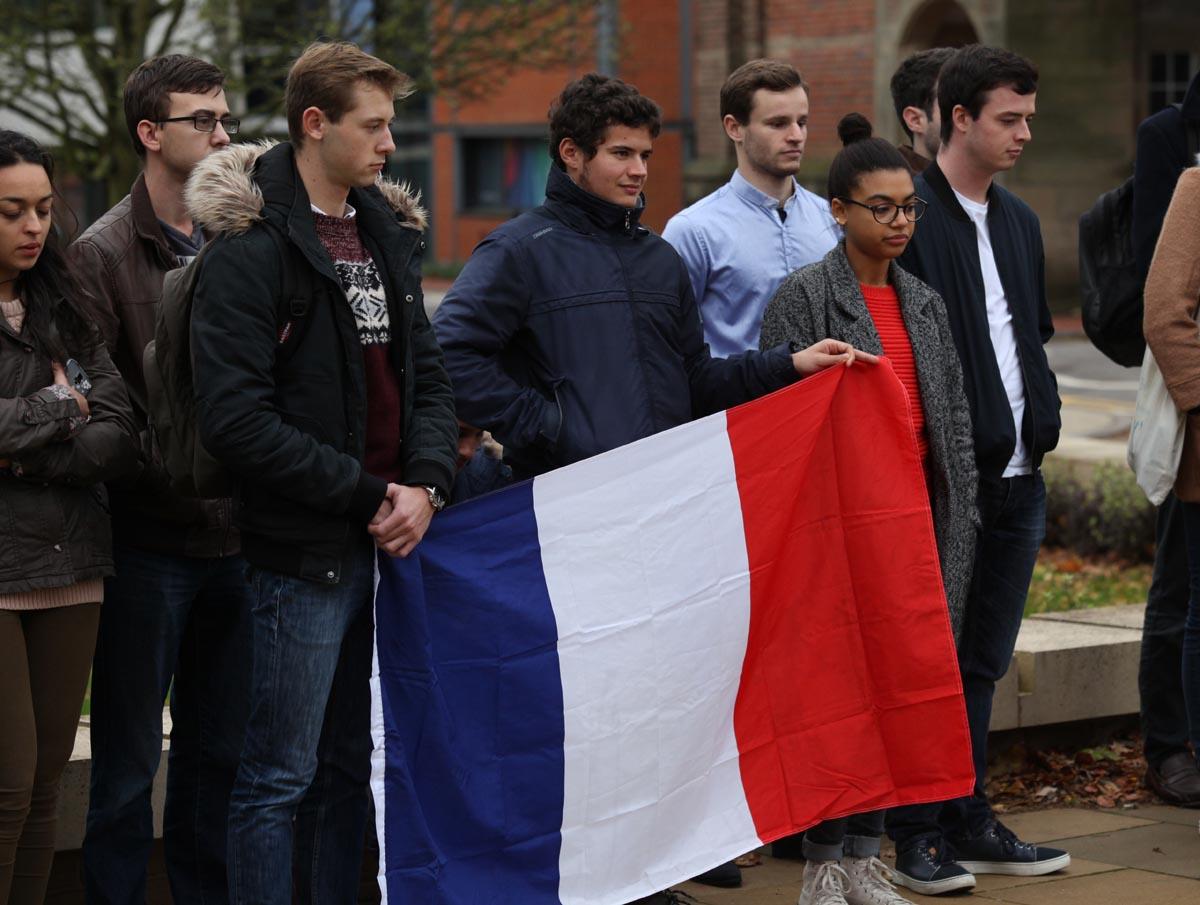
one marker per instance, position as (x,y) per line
(604,681)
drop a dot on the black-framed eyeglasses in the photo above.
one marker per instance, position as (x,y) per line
(207,122)
(886,212)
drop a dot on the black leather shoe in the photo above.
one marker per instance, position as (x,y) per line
(726,876)
(928,869)
(1176,781)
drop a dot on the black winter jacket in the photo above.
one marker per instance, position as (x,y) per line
(282,396)
(573,330)
(945,254)
(1161,157)
(54,521)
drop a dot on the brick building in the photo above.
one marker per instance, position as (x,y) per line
(490,157)
(1105,64)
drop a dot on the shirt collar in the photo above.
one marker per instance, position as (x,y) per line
(758,198)
(347,214)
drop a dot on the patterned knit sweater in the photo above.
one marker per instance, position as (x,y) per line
(365,291)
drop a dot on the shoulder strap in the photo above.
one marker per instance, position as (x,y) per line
(293,300)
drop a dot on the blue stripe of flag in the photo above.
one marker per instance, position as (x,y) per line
(473,711)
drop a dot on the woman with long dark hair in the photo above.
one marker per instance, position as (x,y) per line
(858,294)
(65,426)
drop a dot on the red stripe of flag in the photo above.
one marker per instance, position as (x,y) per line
(850,698)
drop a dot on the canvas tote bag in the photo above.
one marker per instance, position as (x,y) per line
(1156,434)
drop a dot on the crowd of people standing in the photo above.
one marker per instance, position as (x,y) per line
(349,420)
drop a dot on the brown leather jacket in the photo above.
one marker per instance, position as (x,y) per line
(122,259)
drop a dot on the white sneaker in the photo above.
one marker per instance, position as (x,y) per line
(871,883)
(825,883)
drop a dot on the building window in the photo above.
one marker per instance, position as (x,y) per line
(1170,75)
(503,175)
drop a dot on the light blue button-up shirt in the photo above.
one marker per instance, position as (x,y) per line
(738,250)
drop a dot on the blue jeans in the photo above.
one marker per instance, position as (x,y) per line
(166,616)
(1191,628)
(1013,516)
(301,791)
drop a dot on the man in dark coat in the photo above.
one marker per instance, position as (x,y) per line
(981,248)
(573,329)
(333,409)
(1162,154)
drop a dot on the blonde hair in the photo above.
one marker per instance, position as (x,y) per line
(325,76)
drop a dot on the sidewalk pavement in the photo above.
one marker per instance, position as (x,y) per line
(1142,856)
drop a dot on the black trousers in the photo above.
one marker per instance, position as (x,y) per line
(1160,673)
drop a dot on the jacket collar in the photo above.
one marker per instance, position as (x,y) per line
(1191,101)
(587,212)
(145,221)
(937,181)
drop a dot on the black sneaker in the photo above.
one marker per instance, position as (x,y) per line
(726,876)
(928,869)
(668,897)
(999,851)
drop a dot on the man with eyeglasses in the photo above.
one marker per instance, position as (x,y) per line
(176,615)
(981,248)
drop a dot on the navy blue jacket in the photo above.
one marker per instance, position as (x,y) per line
(573,330)
(945,254)
(1161,157)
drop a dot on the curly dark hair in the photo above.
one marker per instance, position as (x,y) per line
(589,105)
(913,82)
(972,73)
(52,322)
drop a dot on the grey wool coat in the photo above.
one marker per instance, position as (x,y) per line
(823,300)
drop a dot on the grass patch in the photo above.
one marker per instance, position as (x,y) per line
(1063,580)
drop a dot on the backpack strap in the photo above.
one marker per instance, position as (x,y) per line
(294,301)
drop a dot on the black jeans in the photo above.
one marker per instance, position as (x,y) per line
(856,836)
(1160,682)
(1013,515)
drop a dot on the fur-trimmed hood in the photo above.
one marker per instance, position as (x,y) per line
(223,198)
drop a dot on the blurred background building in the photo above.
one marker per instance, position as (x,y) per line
(474,140)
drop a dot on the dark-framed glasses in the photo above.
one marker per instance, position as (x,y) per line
(207,122)
(885,212)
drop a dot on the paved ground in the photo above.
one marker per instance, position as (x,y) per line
(1145,856)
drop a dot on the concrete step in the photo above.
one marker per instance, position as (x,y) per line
(1071,666)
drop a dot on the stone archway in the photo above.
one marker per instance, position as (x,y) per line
(906,26)
(939,23)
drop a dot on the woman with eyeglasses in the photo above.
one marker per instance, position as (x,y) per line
(858,294)
(65,426)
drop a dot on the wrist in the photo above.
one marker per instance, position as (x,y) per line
(437,501)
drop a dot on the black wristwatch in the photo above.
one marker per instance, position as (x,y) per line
(436,500)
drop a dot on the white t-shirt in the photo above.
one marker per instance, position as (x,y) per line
(1000,326)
